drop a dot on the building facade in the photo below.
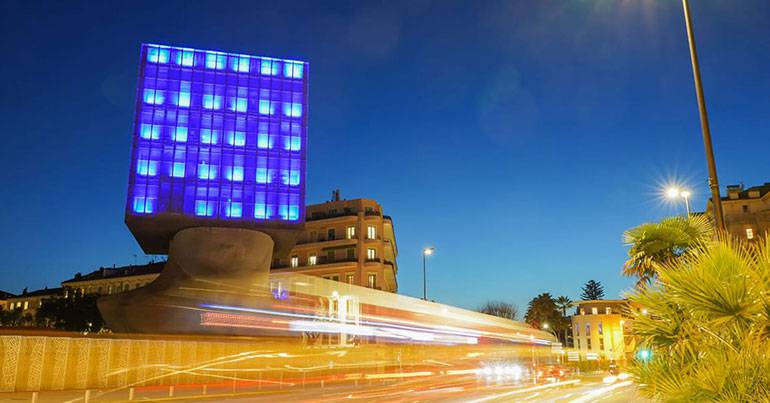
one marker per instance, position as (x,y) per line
(601,329)
(350,241)
(107,281)
(746,211)
(29,301)
(219,141)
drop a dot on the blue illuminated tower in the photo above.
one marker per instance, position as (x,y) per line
(219,140)
(217,179)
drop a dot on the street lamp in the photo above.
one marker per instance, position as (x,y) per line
(704,121)
(675,193)
(425,253)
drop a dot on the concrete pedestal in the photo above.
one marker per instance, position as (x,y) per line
(205,266)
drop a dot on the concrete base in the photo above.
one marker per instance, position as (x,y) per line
(205,265)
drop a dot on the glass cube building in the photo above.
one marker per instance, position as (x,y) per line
(219,140)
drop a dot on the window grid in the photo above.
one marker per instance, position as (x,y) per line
(201,146)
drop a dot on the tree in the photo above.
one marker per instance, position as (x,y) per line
(655,244)
(542,310)
(77,313)
(500,309)
(563,303)
(706,331)
(592,290)
(12,317)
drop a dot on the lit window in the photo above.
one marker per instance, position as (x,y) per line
(262,176)
(212,102)
(235,174)
(266,107)
(292,70)
(350,232)
(269,67)
(236,138)
(372,280)
(295,261)
(233,209)
(312,260)
(240,64)
(153,97)
(293,110)
(594,311)
(215,61)
(149,132)
(144,205)
(146,167)
(749,233)
(157,55)
(180,134)
(371,253)
(209,136)
(26,305)
(582,311)
(293,212)
(185,58)
(294,144)
(206,171)
(608,310)
(183,99)
(350,278)
(259,211)
(177,170)
(290,177)
(204,208)
(371,232)
(262,140)
(238,104)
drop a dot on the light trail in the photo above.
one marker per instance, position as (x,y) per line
(525,390)
(592,395)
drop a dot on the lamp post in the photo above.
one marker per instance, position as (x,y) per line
(704,121)
(425,253)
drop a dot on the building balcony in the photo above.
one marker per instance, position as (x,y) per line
(320,261)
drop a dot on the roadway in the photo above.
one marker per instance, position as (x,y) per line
(465,390)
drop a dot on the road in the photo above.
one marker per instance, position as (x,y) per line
(464,389)
(467,389)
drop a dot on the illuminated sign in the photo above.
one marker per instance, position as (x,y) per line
(219,138)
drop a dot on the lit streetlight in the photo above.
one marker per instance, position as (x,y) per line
(674,193)
(425,253)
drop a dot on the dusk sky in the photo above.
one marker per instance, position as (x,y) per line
(519,138)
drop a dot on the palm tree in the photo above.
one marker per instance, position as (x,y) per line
(655,244)
(563,303)
(707,324)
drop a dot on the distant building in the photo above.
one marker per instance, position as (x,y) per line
(746,211)
(30,301)
(106,281)
(4,296)
(601,329)
(350,241)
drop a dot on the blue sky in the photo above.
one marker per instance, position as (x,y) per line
(518,138)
